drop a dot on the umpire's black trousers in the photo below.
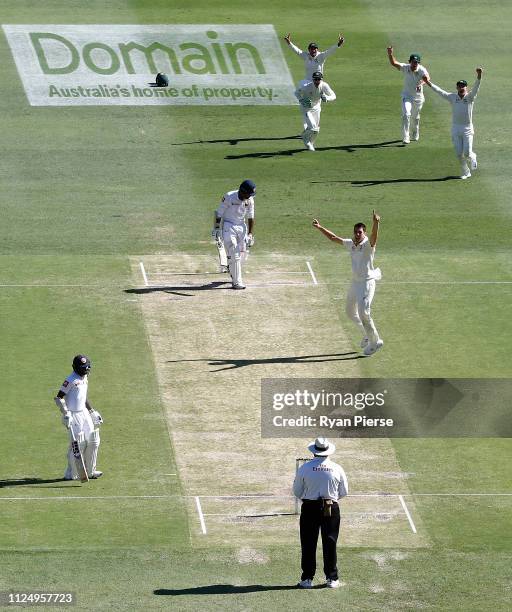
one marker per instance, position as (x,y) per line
(312,520)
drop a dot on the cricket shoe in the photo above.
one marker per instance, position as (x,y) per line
(406,140)
(415,137)
(364,343)
(309,146)
(332,584)
(224,269)
(373,348)
(238,287)
(466,175)
(306,584)
(95,475)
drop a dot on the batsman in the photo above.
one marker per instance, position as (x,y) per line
(235,209)
(82,421)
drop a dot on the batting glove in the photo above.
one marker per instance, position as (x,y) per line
(96,417)
(250,240)
(66,419)
(323,97)
(306,102)
(216,233)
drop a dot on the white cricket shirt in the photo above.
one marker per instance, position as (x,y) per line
(320,478)
(310,91)
(233,210)
(413,83)
(75,388)
(362,259)
(313,64)
(462,108)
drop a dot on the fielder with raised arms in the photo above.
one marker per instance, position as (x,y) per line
(412,93)
(462,120)
(314,59)
(364,275)
(236,207)
(78,414)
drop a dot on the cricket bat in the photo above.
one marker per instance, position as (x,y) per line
(223,258)
(79,460)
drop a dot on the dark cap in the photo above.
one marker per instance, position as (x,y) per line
(462,83)
(248,187)
(415,56)
(312,45)
(317,75)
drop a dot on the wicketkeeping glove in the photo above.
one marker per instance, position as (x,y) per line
(96,417)
(249,240)
(306,103)
(66,419)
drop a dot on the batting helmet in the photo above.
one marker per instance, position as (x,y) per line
(162,80)
(317,75)
(248,187)
(415,56)
(81,365)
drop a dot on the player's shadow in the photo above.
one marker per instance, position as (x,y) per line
(233,364)
(372,183)
(352,148)
(181,289)
(18,482)
(235,141)
(224,589)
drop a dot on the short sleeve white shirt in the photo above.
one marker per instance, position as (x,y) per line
(235,211)
(320,478)
(413,81)
(362,259)
(75,388)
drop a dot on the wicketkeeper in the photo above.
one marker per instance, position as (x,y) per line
(236,207)
(310,95)
(78,414)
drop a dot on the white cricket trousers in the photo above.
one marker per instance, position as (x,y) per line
(462,138)
(358,308)
(234,238)
(88,440)
(411,109)
(311,121)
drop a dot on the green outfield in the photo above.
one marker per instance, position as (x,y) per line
(105,249)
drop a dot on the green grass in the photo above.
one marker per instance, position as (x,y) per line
(85,189)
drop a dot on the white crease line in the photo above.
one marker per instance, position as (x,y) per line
(142,269)
(82,497)
(201,515)
(254,497)
(407,513)
(315,282)
(424,282)
(169,474)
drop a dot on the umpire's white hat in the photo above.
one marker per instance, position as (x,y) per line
(321,447)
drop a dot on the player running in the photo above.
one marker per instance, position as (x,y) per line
(412,94)
(364,275)
(462,120)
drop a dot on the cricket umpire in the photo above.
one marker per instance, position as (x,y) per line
(319,483)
